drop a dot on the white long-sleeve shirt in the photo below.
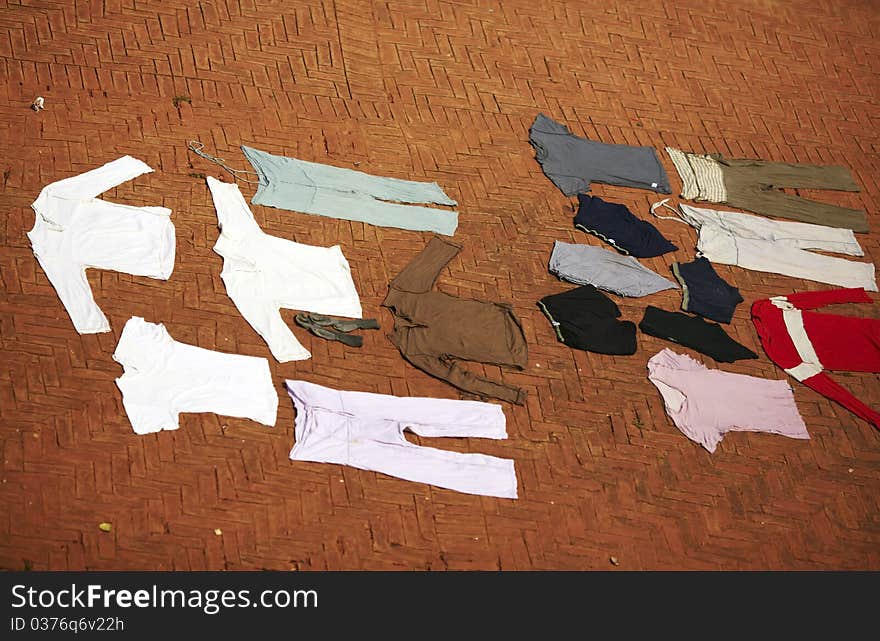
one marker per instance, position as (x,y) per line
(74,231)
(264,274)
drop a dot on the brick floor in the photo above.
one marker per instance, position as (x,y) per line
(428,90)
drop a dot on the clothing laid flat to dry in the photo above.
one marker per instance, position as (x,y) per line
(365,431)
(617,226)
(585,318)
(75,231)
(706,403)
(336,329)
(264,274)
(164,378)
(434,330)
(755,185)
(779,247)
(806,343)
(694,332)
(572,162)
(704,292)
(701,177)
(606,270)
(325,190)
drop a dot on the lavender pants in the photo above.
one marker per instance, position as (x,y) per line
(365,430)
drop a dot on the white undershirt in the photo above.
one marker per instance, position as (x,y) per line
(264,274)
(75,231)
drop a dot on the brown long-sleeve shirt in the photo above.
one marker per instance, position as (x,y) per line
(434,330)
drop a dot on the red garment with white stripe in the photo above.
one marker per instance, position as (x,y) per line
(806,343)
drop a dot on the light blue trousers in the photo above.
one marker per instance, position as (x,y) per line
(324,190)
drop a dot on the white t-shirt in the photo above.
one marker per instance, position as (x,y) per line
(164,378)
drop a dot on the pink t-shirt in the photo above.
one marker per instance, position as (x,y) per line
(706,403)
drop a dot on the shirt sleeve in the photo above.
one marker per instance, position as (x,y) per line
(148,418)
(72,286)
(451,372)
(826,386)
(96,181)
(814,300)
(50,203)
(420,275)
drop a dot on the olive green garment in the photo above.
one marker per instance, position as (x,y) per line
(755,185)
(434,330)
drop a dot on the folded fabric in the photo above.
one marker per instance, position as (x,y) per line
(704,292)
(325,190)
(706,403)
(617,226)
(585,318)
(607,270)
(163,378)
(691,331)
(572,162)
(365,430)
(336,329)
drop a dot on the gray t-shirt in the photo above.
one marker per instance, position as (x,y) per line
(588,265)
(572,162)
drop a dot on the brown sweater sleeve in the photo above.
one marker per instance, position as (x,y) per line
(419,276)
(449,371)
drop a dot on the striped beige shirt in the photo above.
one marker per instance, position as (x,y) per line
(701,176)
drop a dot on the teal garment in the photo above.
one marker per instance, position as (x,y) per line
(324,190)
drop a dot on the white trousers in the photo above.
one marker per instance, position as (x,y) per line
(164,378)
(365,431)
(779,247)
(74,231)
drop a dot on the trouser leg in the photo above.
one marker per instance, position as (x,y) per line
(795,176)
(425,416)
(469,473)
(772,202)
(363,208)
(768,256)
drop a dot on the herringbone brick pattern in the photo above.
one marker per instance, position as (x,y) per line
(429,90)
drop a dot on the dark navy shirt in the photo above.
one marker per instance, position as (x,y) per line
(617,226)
(704,292)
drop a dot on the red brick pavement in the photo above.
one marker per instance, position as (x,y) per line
(429,90)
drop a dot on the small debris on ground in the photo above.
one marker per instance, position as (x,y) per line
(105,527)
(614,560)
